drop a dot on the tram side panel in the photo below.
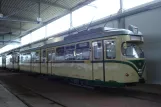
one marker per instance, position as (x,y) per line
(71,63)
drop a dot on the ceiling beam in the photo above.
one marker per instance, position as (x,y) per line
(50,4)
(86,2)
(8,28)
(19,19)
(17,9)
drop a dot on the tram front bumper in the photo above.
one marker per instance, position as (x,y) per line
(141,80)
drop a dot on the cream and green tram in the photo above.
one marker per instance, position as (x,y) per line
(97,57)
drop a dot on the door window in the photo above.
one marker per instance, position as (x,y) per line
(49,55)
(97,50)
(110,48)
(43,56)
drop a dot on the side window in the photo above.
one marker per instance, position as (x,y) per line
(83,51)
(70,52)
(25,58)
(17,58)
(110,47)
(35,57)
(53,55)
(97,50)
(28,57)
(59,54)
(21,58)
(43,56)
(49,55)
(11,59)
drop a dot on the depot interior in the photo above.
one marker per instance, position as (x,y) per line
(31,23)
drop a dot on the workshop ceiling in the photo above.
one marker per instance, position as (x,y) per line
(17,16)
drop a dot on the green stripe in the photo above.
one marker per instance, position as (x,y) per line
(138,63)
(94,82)
(122,62)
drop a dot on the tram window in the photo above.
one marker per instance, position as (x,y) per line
(70,52)
(21,58)
(49,56)
(82,51)
(11,59)
(25,58)
(15,58)
(97,50)
(59,54)
(36,57)
(53,55)
(28,57)
(110,49)
(43,58)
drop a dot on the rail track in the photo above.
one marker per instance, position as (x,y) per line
(152,97)
(26,86)
(31,92)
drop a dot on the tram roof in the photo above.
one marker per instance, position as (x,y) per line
(87,35)
(92,34)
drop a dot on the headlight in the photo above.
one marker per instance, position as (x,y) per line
(140,71)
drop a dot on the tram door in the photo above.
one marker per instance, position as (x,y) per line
(97,59)
(110,68)
(49,61)
(43,61)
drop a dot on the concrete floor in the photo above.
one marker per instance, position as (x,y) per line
(72,96)
(9,100)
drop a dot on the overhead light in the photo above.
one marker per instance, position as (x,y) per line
(1,15)
(39,20)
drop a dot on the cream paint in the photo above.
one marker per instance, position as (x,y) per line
(74,70)
(44,68)
(15,65)
(36,67)
(98,71)
(49,68)
(117,72)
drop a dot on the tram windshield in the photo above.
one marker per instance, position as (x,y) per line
(132,50)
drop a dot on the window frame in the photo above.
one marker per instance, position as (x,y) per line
(105,49)
(57,55)
(49,51)
(93,50)
(78,47)
(70,47)
(34,54)
(43,56)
